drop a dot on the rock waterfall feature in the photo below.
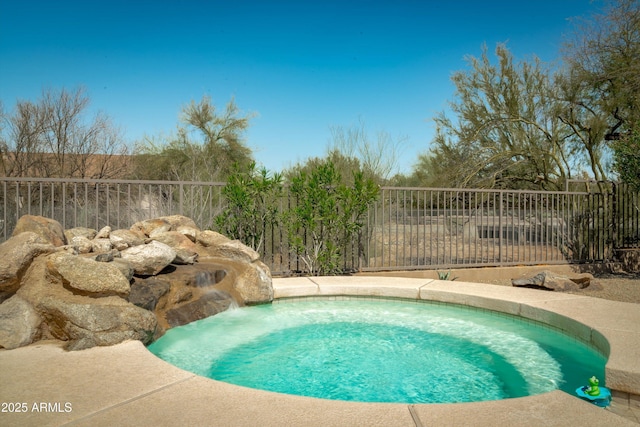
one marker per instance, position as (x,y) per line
(101,287)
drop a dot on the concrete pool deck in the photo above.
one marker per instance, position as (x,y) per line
(127,385)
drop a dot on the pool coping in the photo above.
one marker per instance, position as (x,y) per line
(125,384)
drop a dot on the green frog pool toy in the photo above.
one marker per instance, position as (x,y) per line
(600,396)
(593,389)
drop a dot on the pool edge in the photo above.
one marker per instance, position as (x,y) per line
(606,325)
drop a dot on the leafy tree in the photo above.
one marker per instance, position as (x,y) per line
(506,132)
(205,147)
(627,157)
(603,58)
(53,138)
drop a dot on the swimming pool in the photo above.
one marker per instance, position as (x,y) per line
(381,350)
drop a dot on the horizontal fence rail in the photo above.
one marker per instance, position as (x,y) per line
(405,228)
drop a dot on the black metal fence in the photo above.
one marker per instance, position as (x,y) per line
(405,228)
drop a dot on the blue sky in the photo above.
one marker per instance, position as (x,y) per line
(302,67)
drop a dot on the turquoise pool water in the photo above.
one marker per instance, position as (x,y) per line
(381,351)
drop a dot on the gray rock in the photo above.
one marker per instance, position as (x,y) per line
(209,304)
(104,257)
(19,323)
(101,245)
(554,282)
(82,244)
(104,233)
(85,276)
(88,233)
(535,281)
(147,293)
(125,267)
(149,259)
(185,248)
(123,239)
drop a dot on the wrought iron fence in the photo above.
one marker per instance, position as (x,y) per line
(405,228)
(439,228)
(116,203)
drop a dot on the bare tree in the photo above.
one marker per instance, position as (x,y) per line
(52,138)
(377,156)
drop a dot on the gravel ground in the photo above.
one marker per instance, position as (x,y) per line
(615,287)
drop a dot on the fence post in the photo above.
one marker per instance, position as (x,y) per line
(500,231)
(614,217)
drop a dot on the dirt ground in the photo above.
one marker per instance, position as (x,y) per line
(623,287)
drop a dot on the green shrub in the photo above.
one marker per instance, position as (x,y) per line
(252,205)
(326,215)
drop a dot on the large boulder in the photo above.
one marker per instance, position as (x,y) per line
(49,230)
(124,266)
(16,254)
(208,238)
(150,226)
(186,250)
(104,232)
(81,320)
(178,221)
(81,244)
(89,322)
(101,244)
(234,250)
(149,259)
(87,233)
(19,323)
(123,239)
(146,293)
(554,282)
(254,284)
(208,304)
(88,277)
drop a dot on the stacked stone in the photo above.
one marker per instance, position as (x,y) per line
(101,287)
